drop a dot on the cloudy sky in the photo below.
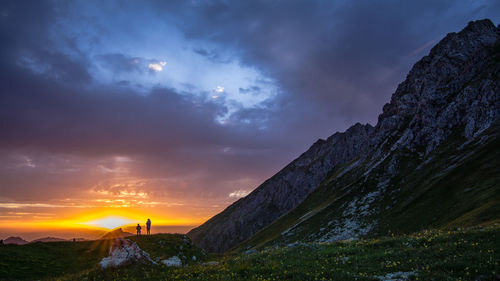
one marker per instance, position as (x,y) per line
(175,109)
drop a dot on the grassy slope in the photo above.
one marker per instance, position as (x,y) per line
(164,246)
(50,260)
(429,255)
(41,260)
(455,188)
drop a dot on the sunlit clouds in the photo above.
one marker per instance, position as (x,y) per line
(219,89)
(239,193)
(157,67)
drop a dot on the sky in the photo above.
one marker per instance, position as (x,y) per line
(112,112)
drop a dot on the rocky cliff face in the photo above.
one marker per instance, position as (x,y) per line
(454,92)
(456,84)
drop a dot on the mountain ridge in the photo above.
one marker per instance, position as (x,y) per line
(452,91)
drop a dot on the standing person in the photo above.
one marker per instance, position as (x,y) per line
(148,226)
(138,227)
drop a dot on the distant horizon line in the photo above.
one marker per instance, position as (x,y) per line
(88,233)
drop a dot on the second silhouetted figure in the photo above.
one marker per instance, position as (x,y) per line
(148,226)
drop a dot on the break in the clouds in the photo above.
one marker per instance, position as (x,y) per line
(193,103)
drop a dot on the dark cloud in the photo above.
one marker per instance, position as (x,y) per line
(122,63)
(250,90)
(53,114)
(342,59)
(211,55)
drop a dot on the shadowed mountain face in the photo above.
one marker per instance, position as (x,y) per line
(372,180)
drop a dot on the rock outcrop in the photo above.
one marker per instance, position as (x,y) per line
(174,261)
(125,252)
(453,90)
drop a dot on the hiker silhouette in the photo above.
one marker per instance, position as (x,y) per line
(138,227)
(148,226)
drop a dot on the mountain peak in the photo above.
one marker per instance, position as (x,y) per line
(476,34)
(479,26)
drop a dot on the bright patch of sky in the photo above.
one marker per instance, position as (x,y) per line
(157,66)
(157,54)
(109,222)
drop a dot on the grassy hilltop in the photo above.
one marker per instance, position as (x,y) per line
(53,260)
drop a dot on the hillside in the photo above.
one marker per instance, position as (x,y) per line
(431,161)
(51,260)
(49,239)
(117,233)
(471,254)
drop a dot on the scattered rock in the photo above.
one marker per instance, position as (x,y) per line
(251,251)
(344,259)
(397,276)
(172,261)
(194,258)
(208,263)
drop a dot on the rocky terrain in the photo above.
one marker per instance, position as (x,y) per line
(441,125)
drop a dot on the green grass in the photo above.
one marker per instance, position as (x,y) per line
(164,246)
(429,255)
(43,260)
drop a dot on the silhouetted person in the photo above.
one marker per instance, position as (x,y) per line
(138,227)
(148,226)
(1,242)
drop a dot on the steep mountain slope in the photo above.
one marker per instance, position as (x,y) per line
(282,192)
(455,186)
(430,161)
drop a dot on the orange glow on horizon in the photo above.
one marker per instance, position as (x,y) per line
(103,219)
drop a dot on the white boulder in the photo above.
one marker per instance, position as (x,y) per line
(124,252)
(173,261)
